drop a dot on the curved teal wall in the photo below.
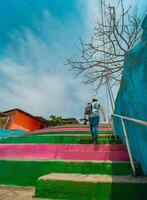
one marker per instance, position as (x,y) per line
(131,100)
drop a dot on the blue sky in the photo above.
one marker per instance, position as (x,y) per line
(35,38)
(15,14)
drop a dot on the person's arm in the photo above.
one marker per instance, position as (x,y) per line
(85,113)
(103,113)
(85,119)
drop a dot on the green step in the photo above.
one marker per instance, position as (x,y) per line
(26,172)
(71,132)
(77,135)
(91,187)
(58,140)
(78,126)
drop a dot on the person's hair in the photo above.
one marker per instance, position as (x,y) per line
(94,100)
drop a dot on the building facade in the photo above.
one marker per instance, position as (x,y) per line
(19,119)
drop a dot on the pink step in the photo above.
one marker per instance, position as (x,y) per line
(79,125)
(84,129)
(61,151)
(107,155)
(62,147)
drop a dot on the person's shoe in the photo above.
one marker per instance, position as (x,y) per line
(95,142)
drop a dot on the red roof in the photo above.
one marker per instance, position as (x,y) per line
(41,119)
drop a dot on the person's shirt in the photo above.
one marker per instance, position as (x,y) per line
(95,109)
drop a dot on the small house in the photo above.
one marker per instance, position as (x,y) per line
(19,119)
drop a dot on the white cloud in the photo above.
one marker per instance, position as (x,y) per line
(41,94)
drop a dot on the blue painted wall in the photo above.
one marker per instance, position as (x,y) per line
(11,133)
(131,100)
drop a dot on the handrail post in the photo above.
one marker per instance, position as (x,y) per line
(128,147)
(113,128)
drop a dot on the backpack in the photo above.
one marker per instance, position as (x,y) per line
(91,108)
(88,109)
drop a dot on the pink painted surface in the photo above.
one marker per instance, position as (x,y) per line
(64,151)
(101,155)
(81,125)
(50,130)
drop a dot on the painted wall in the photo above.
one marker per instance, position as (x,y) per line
(24,122)
(132,99)
(11,133)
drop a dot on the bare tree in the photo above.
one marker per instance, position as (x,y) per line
(102,58)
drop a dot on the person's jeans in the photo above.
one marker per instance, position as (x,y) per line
(94,121)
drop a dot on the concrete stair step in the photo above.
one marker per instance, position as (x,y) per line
(76,135)
(88,187)
(94,178)
(61,151)
(81,125)
(100,155)
(16,193)
(26,172)
(49,147)
(58,140)
(101,140)
(69,129)
(112,156)
(70,132)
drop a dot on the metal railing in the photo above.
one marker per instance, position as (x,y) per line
(126,136)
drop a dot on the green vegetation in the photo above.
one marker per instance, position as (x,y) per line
(89,190)
(58,140)
(55,120)
(26,173)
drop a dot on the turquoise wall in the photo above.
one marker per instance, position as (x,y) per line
(131,100)
(11,133)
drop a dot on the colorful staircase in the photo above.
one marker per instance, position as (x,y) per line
(67,153)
